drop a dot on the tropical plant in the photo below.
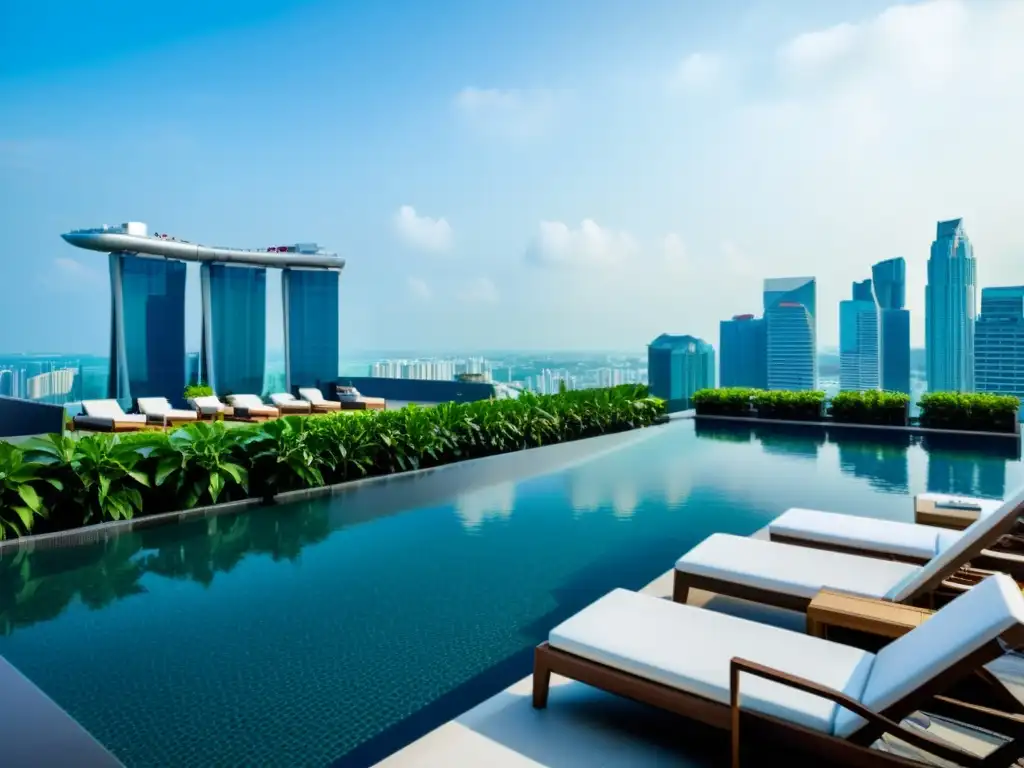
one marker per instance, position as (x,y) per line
(199,462)
(20,502)
(870,407)
(198,390)
(282,455)
(97,474)
(804,405)
(728,401)
(980,412)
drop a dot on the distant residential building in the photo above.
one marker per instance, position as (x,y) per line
(999,342)
(859,368)
(950,310)
(790,313)
(889,281)
(743,354)
(678,366)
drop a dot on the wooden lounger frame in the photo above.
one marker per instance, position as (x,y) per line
(853,751)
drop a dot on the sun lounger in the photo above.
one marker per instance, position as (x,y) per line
(287,403)
(107,416)
(158,410)
(909,542)
(210,407)
(251,408)
(352,400)
(770,684)
(789,576)
(950,511)
(317,401)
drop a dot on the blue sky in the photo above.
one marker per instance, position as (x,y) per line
(537,174)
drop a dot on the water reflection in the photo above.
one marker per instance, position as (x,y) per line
(791,440)
(492,502)
(882,462)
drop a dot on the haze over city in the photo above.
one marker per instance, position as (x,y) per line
(523,177)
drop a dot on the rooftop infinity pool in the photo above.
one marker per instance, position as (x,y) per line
(331,632)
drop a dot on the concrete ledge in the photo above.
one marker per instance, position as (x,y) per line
(913,430)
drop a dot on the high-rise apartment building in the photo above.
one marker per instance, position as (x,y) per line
(790,314)
(889,280)
(999,342)
(859,368)
(950,310)
(147,334)
(234,337)
(311,336)
(678,366)
(743,352)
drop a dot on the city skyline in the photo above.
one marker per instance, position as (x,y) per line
(391,160)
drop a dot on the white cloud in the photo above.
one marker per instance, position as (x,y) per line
(591,245)
(480,290)
(673,254)
(820,47)
(511,113)
(698,70)
(422,232)
(418,288)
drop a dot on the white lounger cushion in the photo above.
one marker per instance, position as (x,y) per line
(161,406)
(285,398)
(247,401)
(963,626)
(208,403)
(689,649)
(109,409)
(312,394)
(883,536)
(793,570)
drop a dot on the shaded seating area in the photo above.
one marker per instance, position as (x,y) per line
(108,416)
(772,686)
(160,412)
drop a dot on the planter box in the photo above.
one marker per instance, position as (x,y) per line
(791,413)
(882,417)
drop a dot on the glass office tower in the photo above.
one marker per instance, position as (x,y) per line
(950,310)
(999,342)
(147,335)
(889,279)
(742,352)
(859,368)
(678,366)
(234,340)
(310,327)
(790,307)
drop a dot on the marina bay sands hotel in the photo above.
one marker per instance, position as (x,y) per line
(147,328)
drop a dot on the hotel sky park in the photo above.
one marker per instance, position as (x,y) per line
(147,317)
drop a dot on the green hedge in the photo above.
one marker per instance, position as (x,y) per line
(976,412)
(59,482)
(796,406)
(728,401)
(871,407)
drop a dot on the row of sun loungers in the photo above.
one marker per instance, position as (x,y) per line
(107,415)
(831,700)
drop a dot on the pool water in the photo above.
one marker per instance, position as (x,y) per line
(332,631)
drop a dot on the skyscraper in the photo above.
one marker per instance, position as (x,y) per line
(889,279)
(950,309)
(791,333)
(999,342)
(234,301)
(310,327)
(858,340)
(147,334)
(742,352)
(678,366)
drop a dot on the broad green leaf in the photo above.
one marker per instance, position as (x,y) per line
(30,497)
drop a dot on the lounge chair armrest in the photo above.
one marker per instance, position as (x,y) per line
(922,741)
(990,719)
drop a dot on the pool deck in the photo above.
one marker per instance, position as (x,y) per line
(587,728)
